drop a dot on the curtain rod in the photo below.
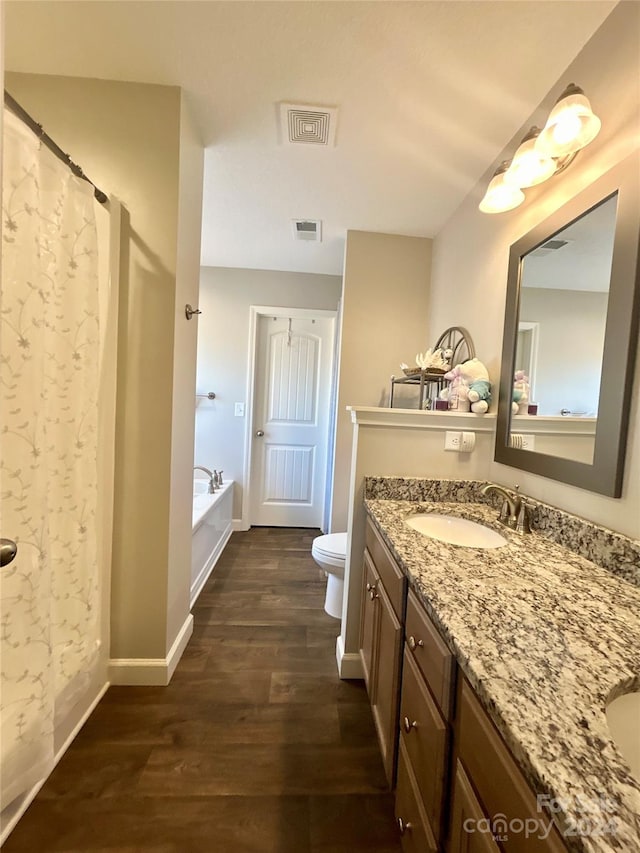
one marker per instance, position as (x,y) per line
(33,125)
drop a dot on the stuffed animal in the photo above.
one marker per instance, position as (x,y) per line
(521,390)
(456,393)
(469,387)
(480,396)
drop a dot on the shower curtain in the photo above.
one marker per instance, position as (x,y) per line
(49,348)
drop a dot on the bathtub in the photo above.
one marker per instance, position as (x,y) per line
(211,529)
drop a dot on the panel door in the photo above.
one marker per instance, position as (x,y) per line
(291,421)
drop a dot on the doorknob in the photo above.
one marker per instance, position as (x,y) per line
(8,550)
(259,433)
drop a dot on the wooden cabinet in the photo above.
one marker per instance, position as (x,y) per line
(369,615)
(424,735)
(466,817)
(425,711)
(413,824)
(381,634)
(459,789)
(501,791)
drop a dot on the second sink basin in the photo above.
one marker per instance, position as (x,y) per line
(623,719)
(455,531)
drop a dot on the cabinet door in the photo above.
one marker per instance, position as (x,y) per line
(424,735)
(415,834)
(387,662)
(503,791)
(369,620)
(467,819)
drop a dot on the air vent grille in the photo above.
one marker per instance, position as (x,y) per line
(307,229)
(308,125)
(549,247)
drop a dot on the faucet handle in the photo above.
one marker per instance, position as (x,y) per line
(505,512)
(522,522)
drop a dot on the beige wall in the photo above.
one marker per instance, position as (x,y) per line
(384,322)
(184,372)
(127,137)
(471,253)
(569,354)
(223,353)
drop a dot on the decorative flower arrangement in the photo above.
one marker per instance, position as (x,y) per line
(430,361)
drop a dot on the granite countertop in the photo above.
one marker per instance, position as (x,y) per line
(546,638)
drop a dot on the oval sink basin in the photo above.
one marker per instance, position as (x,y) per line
(623,719)
(456,531)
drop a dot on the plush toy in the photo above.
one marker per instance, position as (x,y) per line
(469,387)
(456,393)
(521,389)
(480,396)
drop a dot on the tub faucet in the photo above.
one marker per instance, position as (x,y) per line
(211,475)
(514,512)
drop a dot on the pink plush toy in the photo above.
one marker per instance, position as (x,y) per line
(469,388)
(521,389)
(457,392)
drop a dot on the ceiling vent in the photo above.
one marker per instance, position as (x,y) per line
(302,124)
(309,230)
(549,247)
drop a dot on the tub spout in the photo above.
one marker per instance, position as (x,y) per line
(210,474)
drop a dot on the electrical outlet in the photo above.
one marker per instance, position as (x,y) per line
(452,440)
(528,441)
(238,410)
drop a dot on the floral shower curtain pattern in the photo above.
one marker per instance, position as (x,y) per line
(49,346)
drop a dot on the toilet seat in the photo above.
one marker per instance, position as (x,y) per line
(331,549)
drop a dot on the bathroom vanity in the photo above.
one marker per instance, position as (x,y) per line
(489,671)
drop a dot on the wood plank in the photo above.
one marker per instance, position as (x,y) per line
(255,746)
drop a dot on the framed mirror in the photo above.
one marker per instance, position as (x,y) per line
(571,337)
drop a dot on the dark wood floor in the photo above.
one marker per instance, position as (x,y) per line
(256,745)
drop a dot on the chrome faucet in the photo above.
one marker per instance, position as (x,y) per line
(514,512)
(210,474)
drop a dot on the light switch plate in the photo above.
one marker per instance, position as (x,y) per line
(238,410)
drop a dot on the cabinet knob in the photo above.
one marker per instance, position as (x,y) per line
(373,594)
(413,643)
(370,586)
(408,724)
(403,827)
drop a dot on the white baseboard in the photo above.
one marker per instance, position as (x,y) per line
(206,570)
(238,524)
(149,672)
(18,810)
(349,664)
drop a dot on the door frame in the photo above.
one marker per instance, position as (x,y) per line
(256,312)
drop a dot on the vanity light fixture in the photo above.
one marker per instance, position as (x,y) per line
(501,196)
(571,124)
(542,154)
(529,167)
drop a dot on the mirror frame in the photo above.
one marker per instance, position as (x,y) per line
(605,474)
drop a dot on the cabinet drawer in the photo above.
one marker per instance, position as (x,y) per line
(392,578)
(425,737)
(415,834)
(502,790)
(429,651)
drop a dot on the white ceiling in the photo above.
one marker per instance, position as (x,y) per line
(428,95)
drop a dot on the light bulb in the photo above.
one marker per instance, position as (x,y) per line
(571,125)
(499,195)
(566,129)
(528,166)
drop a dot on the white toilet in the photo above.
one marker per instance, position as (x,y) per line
(330,552)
